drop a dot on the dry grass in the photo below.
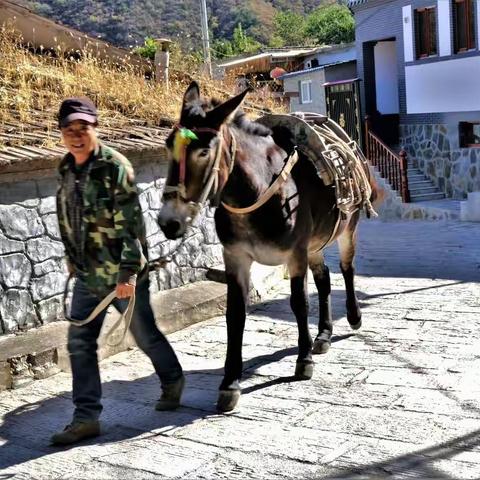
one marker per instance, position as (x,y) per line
(31,82)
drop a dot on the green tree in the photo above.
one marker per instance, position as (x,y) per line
(222,48)
(289,28)
(42,9)
(242,43)
(148,49)
(331,24)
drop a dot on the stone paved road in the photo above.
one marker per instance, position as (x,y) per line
(399,399)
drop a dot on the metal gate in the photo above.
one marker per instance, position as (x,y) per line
(343,106)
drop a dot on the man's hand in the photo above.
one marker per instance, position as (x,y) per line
(125,290)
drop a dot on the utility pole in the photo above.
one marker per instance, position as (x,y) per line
(206,43)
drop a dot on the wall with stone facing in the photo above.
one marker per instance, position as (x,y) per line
(390,206)
(435,149)
(32,269)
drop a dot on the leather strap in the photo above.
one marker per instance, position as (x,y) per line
(271,190)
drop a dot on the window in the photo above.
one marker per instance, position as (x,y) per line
(469,134)
(463,25)
(426,32)
(306,91)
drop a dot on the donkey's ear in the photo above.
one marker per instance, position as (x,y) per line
(192,93)
(226,110)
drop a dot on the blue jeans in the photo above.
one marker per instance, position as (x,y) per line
(82,346)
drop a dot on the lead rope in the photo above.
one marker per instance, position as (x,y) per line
(125,317)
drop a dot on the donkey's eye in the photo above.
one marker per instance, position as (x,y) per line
(204,152)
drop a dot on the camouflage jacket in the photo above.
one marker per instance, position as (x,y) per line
(113,246)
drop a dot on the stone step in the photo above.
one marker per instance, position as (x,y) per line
(419,184)
(423,190)
(427,196)
(416,177)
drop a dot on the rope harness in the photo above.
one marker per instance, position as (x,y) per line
(349,168)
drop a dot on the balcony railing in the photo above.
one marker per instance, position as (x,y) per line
(392,166)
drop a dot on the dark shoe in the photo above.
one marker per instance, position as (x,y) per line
(171,394)
(75,432)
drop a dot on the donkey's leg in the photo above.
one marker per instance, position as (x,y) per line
(346,246)
(321,275)
(238,278)
(297,267)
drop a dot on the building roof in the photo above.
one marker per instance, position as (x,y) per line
(314,69)
(263,61)
(273,54)
(243,60)
(41,32)
(333,48)
(341,82)
(32,148)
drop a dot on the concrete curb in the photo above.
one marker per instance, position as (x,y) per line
(42,352)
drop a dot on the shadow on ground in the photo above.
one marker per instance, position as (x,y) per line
(128,411)
(417,464)
(279,308)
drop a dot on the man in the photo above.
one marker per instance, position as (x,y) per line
(103,231)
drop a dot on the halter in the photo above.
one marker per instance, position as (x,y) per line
(183,138)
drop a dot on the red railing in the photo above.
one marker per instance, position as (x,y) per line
(391,166)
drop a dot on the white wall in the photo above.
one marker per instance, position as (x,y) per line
(407,19)
(386,77)
(444,36)
(447,86)
(478,21)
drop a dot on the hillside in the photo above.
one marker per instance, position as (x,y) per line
(127,23)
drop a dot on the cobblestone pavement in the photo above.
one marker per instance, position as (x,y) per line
(398,399)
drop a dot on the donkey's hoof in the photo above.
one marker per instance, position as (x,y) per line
(304,370)
(354,317)
(322,342)
(356,326)
(227,400)
(320,347)
(355,320)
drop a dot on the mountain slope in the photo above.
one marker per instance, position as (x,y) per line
(128,22)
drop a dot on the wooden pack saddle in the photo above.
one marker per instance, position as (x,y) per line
(337,159)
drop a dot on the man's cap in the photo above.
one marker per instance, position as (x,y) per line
(77,108)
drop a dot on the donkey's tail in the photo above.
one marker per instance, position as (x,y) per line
(378,194)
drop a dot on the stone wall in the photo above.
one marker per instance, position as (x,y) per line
(436,151)
(32,269)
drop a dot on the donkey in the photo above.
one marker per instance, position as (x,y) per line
(217,155)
